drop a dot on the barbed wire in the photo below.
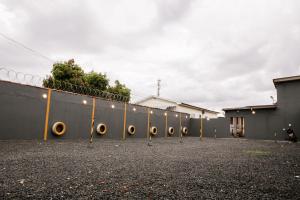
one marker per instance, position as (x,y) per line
(48,82)
(19,77)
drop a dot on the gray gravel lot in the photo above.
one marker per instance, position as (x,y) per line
(112,169)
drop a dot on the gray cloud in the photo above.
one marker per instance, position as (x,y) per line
(207,53)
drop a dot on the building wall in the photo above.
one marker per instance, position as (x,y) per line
(262,125)
(288,95)
(161,104)
(269,123)
(196,113)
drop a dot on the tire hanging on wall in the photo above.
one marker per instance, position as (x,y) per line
(153,130)
(171,131)
(184,130)
(131,130)
(59,128)
(101,129)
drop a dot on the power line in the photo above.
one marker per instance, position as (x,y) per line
(26,47)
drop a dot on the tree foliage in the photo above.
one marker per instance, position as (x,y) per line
(68,71)
(96,80)
(119,88)
(71,74)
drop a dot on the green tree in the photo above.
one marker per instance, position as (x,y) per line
(120,89)
(96,80)
(69,72)
(69,76)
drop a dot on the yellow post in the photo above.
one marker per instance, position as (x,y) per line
(166,128)
(180,128)
(201,128)
(124,125)
(148,125)
(47,114)
(93,119)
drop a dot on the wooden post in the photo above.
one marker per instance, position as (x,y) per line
(47,114)
(201,128)
(93,120)
(148,123)
(124,123)
(166,128)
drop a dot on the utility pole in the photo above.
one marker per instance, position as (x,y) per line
(158,87)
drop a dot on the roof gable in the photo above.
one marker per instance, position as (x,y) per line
(155,98)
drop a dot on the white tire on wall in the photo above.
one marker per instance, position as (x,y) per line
(101,129)
(59,128)
(131,130)
(184,130)
(171,131)
(153,130)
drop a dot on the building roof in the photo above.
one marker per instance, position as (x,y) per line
(196,108)
(179,104)
(257,107)
(155,97)
(286,79)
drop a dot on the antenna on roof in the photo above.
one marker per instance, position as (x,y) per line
(273,100)
(158,87)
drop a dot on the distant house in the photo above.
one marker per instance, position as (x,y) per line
(194,111)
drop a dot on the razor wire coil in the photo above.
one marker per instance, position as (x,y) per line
(38,81)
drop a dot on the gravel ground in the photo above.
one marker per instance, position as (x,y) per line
(112,169)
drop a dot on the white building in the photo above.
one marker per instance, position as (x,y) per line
(194,111)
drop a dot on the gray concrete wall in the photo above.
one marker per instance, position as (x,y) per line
(174,121)
(216,128)
(288,101)
(266,122)
(185,122)
(195,127)
(137,118)
(158,120)
(69,108)
(111,117)
(262,125)
(22,111)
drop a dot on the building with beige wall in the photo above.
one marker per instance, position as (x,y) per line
(194,111)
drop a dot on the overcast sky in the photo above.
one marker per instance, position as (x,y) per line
(212,53)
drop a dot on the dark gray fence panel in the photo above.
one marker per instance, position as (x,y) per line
(185,122)
(263,124)
(70,109)
(110,113)
(216,128)
(138,118)
(173,121)
(195,126)
(158,119)
(22,111)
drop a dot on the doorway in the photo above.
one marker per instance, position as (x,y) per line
(237,126)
